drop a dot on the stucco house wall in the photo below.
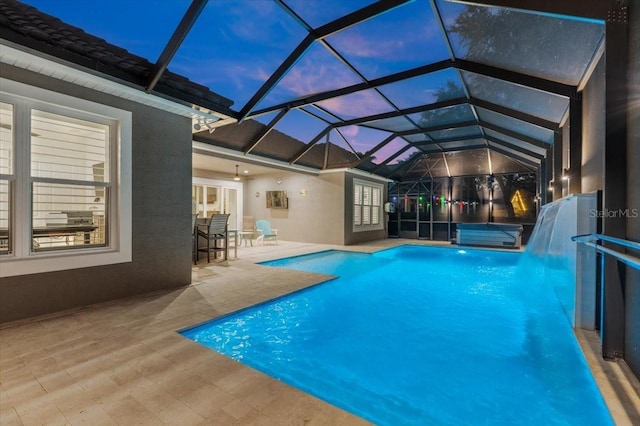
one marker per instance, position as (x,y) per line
(161,206)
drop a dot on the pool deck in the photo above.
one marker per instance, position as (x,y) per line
(123,363)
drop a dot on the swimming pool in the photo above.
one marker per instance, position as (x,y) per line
(420,335)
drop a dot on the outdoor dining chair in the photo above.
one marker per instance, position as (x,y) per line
(215,235)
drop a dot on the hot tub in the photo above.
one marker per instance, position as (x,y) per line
(489,234)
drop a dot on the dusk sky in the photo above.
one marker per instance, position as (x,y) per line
(235,45)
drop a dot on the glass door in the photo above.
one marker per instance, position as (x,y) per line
(214,201)
(230,198)
(209,197)
(206,200)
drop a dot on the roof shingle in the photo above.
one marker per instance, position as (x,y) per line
(49,34)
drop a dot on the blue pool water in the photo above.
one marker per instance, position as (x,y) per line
(420,336)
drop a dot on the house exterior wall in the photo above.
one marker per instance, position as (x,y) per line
(632,296)
(566,140)
(352,237)
(161,205)
(316,217)
(593,130)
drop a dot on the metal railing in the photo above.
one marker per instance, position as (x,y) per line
(588,240)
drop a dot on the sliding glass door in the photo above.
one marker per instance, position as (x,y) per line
(209,197)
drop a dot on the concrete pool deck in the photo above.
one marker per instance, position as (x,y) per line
(123,363)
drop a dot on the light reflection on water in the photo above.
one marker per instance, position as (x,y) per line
(420,335)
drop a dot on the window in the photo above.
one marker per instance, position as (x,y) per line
(366,206)
(65,173)
(70,180)
(6,175)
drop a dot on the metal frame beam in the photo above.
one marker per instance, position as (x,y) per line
(517,78)
(446,140)
(557,166)
(356,17)
(515,147)
(522,160)
(396,155)
(437,128)
(593,9)
(310,145)
(316,34)
(614,195)
(276,76)
(403,112)
(371,84)
(373,150)
(408,164)
(546,177)
(263,134)
(575,146)
(547,124)
(464,148)
(524,138)
(527,139)
(461,64)
(172,46)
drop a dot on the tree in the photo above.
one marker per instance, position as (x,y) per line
(508,185)
(455,114)
(549,47)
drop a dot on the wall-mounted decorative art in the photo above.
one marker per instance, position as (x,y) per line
(277,200)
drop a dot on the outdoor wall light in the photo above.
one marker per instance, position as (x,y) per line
(206,122)
(208,125)
(565,174)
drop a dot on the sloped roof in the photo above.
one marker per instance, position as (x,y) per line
(27,26)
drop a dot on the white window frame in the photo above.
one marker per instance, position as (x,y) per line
(9,177)
(23,260)
(366,219)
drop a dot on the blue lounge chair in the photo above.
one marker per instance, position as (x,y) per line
(266,232)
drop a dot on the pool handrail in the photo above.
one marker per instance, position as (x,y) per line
(587,240)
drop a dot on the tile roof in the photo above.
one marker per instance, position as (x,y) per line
(26,25)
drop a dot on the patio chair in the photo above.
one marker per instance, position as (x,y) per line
(215,234)
(249,230)
(194,238)
(266,232)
